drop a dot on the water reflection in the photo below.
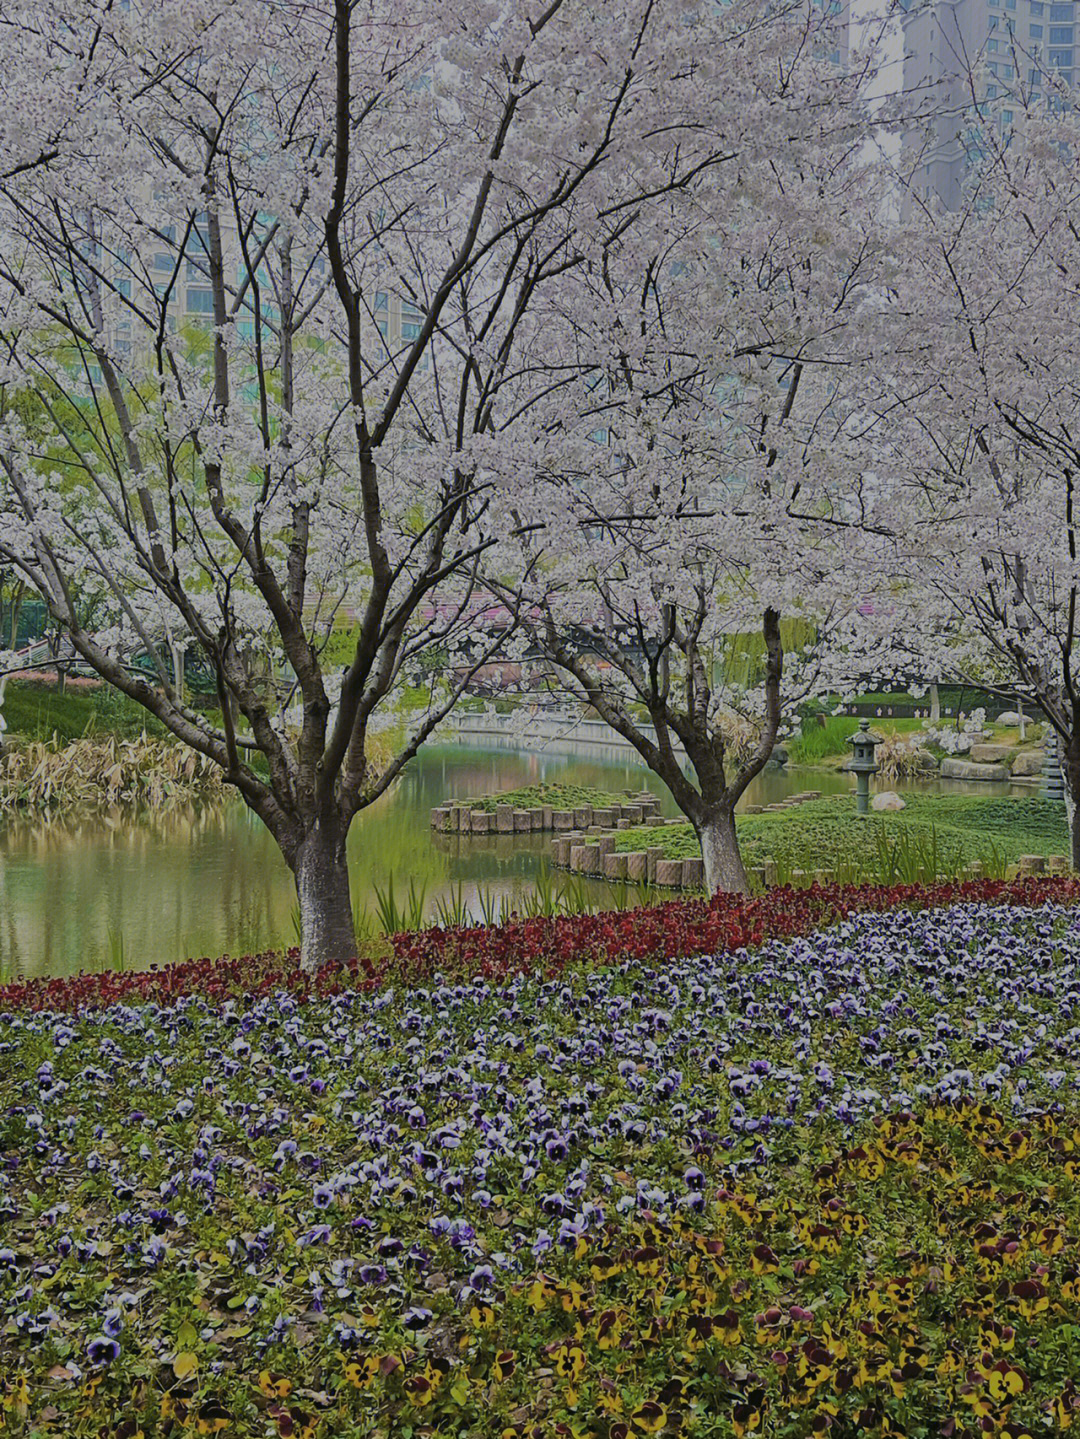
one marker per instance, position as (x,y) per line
(107,888)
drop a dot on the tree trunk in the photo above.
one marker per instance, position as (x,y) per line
(176,654)
(724,872)
(322,887)
(1070,771)
(16,608)
(935,705)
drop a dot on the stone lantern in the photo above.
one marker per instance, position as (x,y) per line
(863,764)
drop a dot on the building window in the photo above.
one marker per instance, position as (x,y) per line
(1036,32)
(1036,7)
(1060,59)
(991,92)
(380,300)
(1061,34)
(993,71)
(1006,117)
(1006,72)
(1061,12)
(200,302)
(409,330)
(991,47)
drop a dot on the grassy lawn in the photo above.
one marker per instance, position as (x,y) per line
(827,833)
(35,712)
(823,743)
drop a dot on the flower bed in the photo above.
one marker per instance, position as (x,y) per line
(831,1184)
(542,945)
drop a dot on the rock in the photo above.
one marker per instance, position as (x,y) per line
(615,866)
(887,799)
(927,759)
(636,865)
(953,768)
(779,754)
(669,872)
(693,873)
(1010,717)
(992,753)
(1028,762)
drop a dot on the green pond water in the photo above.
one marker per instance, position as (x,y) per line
(121,889)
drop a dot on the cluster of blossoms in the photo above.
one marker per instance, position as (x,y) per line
(831,1183)
(953,740)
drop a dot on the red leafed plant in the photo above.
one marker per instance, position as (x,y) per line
(544,946)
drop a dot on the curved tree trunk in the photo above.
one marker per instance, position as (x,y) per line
(322,886)
(724,871)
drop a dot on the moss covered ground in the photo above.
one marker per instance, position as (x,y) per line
(558,796)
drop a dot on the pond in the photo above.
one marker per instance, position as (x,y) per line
(130,890)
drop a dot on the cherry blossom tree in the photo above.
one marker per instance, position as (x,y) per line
(971,431)
(678,505)
(275,280)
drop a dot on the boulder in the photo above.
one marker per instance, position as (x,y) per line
(1010,717)
(887,799)
(927,759)
(779,754)
(992,753)
(1028,762)
(953,768)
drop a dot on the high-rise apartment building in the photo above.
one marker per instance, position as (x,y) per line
(963,53)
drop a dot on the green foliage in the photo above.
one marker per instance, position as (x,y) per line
(817,741)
